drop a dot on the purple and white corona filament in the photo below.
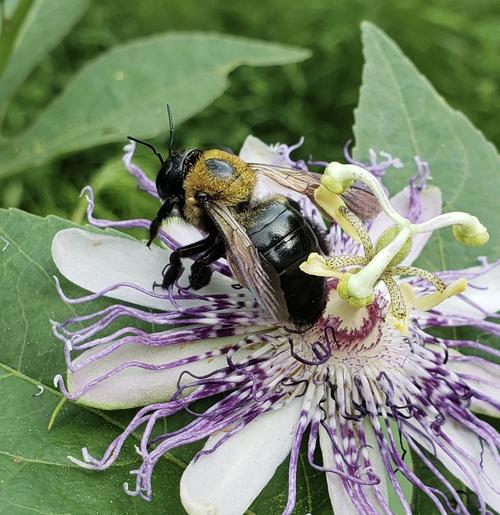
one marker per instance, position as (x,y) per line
(365,377)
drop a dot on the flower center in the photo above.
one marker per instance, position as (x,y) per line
(360,275)
(344,334)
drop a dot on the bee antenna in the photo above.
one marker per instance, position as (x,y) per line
(146,144)
(171,129)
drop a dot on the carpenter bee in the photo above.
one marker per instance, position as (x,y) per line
(264,241)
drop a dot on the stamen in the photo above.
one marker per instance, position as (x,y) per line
(357,287)
(431,300)
(398,306)
(331,204)
(317,265)
(419,272)
(339,262)
(360,229)
(362,284)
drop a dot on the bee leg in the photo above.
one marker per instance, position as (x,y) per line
(163,212)
(201,272)
(174,269)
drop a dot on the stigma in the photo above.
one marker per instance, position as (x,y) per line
(381,263)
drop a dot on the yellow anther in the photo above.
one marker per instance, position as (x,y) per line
(330,267)
(317,265)
(431,300)
(330,203)
(401,324)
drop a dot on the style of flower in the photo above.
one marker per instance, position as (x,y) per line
(360,380)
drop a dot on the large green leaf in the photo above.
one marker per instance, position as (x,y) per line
(37,476)
(400,112)
(46,24)
(35,473)
(126,90)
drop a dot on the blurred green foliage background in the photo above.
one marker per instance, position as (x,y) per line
(455,43)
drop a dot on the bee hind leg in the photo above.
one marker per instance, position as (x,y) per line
(174,269)
(201,271)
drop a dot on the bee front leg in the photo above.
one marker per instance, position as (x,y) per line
(201,271)
(163,213)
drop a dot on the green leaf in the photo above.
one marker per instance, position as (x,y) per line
(45,26)
(38,477)
(30,357)
(400,112)
(421,503)
(125,91)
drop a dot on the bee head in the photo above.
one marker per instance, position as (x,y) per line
(170,178)
(173,170)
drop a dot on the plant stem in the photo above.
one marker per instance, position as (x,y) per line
(10,30)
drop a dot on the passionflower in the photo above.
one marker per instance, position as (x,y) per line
(365,377)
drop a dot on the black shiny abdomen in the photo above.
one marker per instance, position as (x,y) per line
(285,239)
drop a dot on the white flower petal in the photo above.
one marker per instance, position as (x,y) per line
(341,502)
(266,187)
(483,290)
(97,261)
(227,481)
(431,206)
(136,386)
(487,383)
(469,441)
(182,232)
(488,378)
(256,151)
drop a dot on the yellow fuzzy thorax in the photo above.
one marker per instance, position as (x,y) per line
(231,191)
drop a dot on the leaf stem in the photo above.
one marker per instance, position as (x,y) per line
(10,30)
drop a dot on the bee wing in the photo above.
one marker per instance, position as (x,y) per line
(296,180)
(358,199)
(361,201)
(250,268)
